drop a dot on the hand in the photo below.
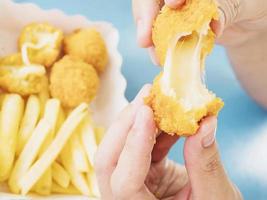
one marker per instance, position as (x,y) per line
(132,163)
(239,20)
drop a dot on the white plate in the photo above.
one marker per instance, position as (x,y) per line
(110,99)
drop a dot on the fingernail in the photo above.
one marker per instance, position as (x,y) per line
(174,3)
(153,56)
(210,130)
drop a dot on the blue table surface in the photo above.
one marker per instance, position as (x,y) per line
(242,127)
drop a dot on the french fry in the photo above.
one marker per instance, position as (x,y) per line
(29,121)
(28,154)
(44,95)
(53,150)
(51,114)
(91,178)
(11,114)
(60,175)
(99,134)
(44,184)
(88,139)
(80,160)
(78,179)
(61,190)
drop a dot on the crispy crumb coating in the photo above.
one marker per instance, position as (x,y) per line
(47,41)
(172,118)
(13,59)
(88,45)
(191,17)
(73,81)
(24,80)
(171,115)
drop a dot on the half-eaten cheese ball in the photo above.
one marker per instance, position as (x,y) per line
(179,97)
(21,78)
(73,81)
(42,42)
(88,45)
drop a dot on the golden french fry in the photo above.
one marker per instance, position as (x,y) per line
(88,140)
(11,114)
(28,154)
(61,190)
(51,114)
(91,178)
(77,178)
(99,134)
(29,121)
(44,95)
(61,119)
(60,175)
(44,184)
(53,150)
(78,153)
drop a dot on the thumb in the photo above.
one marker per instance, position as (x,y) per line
(206,173)
(228,14)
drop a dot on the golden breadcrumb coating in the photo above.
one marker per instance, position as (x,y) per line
(191,17)
(183,38)
(42,42)
(88,45)
(24,80)
(73,81)
(13,59)
(171,117)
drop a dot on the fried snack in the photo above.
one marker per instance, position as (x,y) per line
(57,189)
(60,175)
(183,38)
(10,117)
(73,81)
(28,122)
(13,59)
(24,80)
(51,153)
(42,42)
(88,45)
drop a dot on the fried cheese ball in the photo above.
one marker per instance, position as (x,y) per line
(88,45)
(42,42)
(13,59)
(183,38)
(73,81)
(22,79)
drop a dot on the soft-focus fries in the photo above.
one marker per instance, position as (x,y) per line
(60,175)
(29,121)
(78,179)
(29,154)
(53,150)
(44,184)
(11,114)
(92,181)
(88,139)
(51,114)
(78,153)
(60,190)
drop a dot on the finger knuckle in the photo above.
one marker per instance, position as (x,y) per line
(212,163)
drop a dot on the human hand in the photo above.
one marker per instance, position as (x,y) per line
(132,163)
(239,20)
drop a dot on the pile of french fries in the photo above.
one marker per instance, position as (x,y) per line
(46,149)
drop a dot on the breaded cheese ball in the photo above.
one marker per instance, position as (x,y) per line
(73,81)
(13,59)
(179,97)
(193,16)
(42,42)
(88,45)
(22,79)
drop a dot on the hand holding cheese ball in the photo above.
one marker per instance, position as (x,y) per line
(241,28)
(136,160)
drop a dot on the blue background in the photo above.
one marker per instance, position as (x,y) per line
(240,121)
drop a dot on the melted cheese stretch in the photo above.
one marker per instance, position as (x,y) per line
(182,75)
